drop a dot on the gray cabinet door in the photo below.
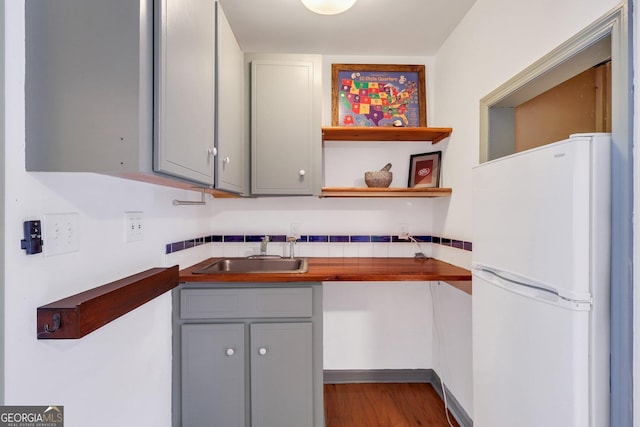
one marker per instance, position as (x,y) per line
(185,89)
(213,366)
(89,68)
(232,164)
(281,375)
(285,127)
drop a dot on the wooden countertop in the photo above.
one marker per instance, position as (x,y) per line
(349,269)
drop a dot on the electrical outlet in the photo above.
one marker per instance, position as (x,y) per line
(60,233)
(295,230)
(403,231)
(134,226)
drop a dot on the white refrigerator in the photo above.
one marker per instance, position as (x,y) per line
(540,265)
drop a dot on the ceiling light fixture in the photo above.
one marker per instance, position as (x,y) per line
(328,7)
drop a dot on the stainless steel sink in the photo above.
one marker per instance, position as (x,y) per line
(255,265)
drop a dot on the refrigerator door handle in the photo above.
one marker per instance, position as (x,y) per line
(528,290)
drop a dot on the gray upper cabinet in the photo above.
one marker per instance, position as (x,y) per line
(128,88)
(286,137)
(89,86)
(185,89)
(232,164)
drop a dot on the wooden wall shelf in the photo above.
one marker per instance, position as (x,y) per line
(353,133)
(78,315)
(384,192)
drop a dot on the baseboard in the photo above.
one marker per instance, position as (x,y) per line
(454,406)
(401,376)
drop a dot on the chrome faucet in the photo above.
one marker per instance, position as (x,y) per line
(263,245)
(292,245)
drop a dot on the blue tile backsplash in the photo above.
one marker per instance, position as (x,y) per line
(316,238)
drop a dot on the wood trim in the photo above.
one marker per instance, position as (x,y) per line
(83,313)
(384,192)
(463,285)
(356,133)
(175,183)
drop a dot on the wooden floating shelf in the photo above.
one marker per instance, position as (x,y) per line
(384,192)
(354,133)
(83,313)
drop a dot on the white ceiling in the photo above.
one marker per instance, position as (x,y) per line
(370,27)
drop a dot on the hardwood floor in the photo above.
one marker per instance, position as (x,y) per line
(384,405)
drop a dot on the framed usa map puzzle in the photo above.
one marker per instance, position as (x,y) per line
(378,95)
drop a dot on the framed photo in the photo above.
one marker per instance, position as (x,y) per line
(424,170)
(374,95)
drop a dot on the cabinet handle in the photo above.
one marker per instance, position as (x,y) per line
(230,352)
(262,351)
(302,172)
(212,151)
(226,160)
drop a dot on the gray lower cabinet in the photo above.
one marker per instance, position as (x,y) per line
(248,356)
(213,389)
(281,374)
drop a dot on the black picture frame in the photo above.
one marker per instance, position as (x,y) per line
(424,170)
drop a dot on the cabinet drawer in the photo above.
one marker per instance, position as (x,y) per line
(238,303)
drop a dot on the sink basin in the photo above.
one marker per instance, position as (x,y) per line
(255,265)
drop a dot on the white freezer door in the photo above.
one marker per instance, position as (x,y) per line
(530,360)
(543,214)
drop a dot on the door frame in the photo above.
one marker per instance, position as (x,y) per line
(2,193)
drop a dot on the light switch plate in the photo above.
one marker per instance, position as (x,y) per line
(60,233)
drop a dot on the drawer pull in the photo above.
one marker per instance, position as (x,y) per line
(230,352)
(262,351)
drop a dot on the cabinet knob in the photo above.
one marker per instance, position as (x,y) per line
(212,151)
(230,352)
(302,172)
(262,351)
(226,160)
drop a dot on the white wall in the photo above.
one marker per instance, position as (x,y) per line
(373,325)
(496,40)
